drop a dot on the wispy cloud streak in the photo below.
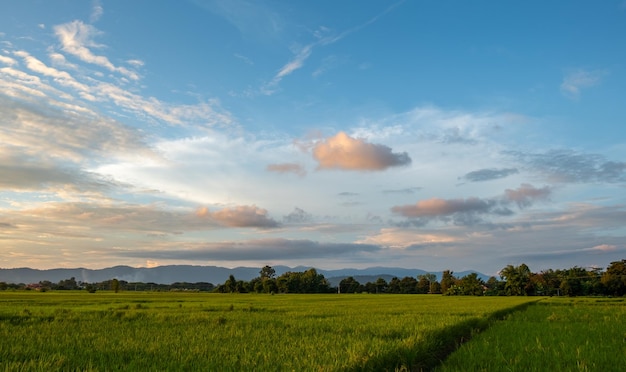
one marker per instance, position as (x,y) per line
(303,53)
(77,38)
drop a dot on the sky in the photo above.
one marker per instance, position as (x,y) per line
(435,135)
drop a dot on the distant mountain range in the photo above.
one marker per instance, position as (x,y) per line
(193,274)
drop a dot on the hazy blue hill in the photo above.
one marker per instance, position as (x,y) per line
(193,274)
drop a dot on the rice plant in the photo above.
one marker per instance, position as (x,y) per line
(181,331)
(560,334)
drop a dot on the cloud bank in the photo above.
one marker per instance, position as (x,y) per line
(571,166)
(468,211)
(257,249)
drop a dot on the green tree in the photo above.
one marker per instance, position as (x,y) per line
(408,285)
(68,284)
(552,280)
(47,285)
(231,284)
(256,285)
(394,285)
(538,284)
(115,285)
(348,285)
(517,279)
(614,278)
(269,286)
(575,282)
(312,282)
(447,281)
(494,287)
(242,287)
(435,287)
(267,272)
(425,283)
(471,285)
(381,285)
(595,282)
(369,287)
(282,282)
(309,281)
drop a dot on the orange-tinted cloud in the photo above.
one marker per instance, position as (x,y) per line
(605,247)
(286,168)
(402,238)
(240,216)
(526,194)
(347,153)
(470,211)
(436,207)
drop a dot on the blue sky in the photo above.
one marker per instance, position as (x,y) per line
(419,134)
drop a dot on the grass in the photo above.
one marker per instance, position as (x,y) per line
(182,331)
(559,334)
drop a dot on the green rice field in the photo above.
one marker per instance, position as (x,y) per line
(136,331)
(559,334)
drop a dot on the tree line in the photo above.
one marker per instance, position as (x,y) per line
(309,281)
(108,285)
(512,281)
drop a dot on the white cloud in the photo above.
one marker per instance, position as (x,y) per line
(62,77)
(135,62)
(19,84)
(59,60)
(96,11)
(7,60)
(60,133)
(294,64)
(576,80)
(77,38)
(204,114)
(23,85)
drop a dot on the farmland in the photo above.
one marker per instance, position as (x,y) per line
(559,334)
(72,330)
(194,331)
